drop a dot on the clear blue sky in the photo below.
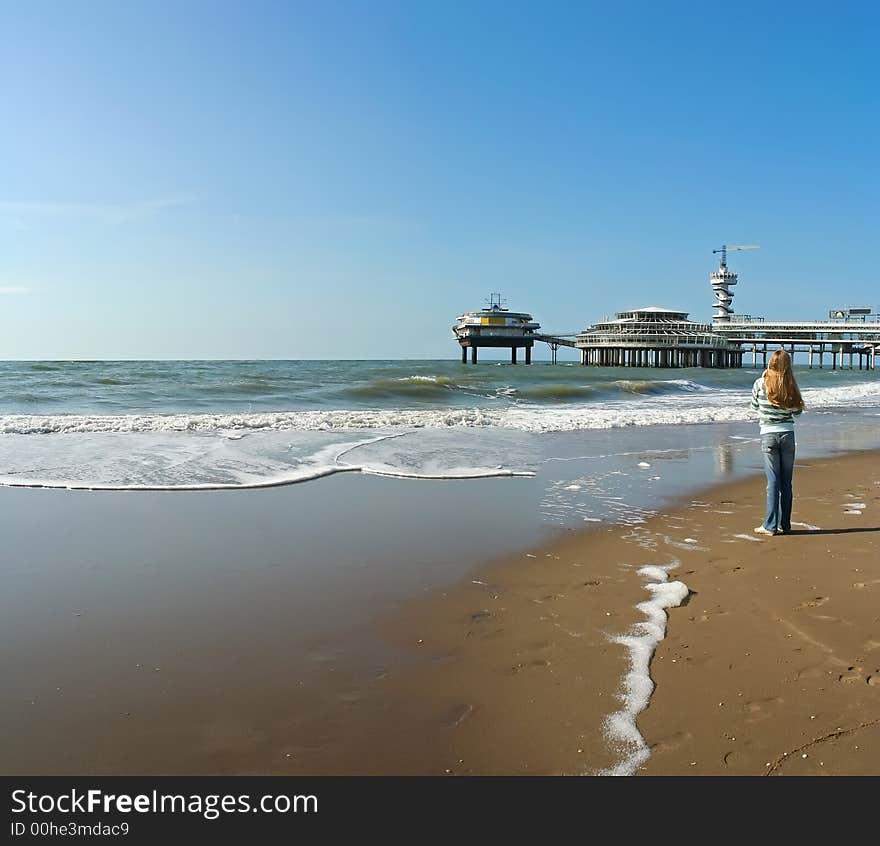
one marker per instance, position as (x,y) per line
(329,179)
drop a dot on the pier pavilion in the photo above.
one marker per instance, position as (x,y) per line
(495,326)
(655,337)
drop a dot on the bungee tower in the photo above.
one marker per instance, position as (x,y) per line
(722,280)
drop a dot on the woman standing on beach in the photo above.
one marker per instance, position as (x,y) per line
(777,399)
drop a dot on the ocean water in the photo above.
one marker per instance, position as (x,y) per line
(185,425)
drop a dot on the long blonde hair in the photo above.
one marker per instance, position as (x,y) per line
(779,382)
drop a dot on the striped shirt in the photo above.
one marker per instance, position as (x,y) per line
(772,418)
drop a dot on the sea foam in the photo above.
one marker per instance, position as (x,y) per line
(687,407)
(641,641)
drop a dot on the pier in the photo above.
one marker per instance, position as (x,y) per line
(844,342)
(662,337)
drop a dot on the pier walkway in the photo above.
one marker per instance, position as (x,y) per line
(840,339)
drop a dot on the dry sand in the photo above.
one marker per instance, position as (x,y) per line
(774,665)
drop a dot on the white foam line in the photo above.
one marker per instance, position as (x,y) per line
(265,483)
(806,526)
(853,504)
(351,447)
(748,538)
(701,407)
(463,474)
(641,641)
(206,486)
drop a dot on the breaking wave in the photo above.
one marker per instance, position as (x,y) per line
(687,405)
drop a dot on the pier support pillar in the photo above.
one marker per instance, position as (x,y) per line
(473,355)
(464,355)
(513,355)
(811,357)
(528,355)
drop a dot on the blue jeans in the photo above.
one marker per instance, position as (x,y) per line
(778,451)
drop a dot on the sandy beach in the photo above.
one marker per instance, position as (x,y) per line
(774,665)
(771,666)
(132,658)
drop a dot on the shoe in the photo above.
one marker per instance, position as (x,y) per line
(782,531)
(760,530)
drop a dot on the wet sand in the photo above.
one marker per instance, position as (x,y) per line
(194,632)
(504,668)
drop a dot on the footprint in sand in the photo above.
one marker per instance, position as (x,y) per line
(856,675)
(853,675)
(814,603)
(704,618)
(673,742)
